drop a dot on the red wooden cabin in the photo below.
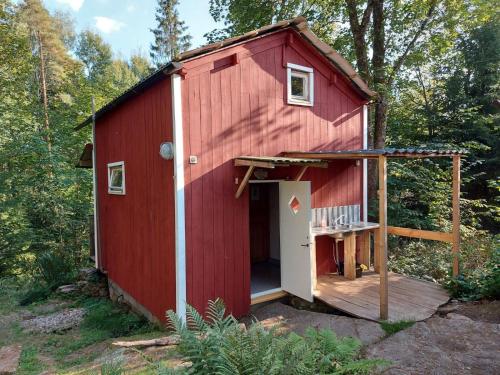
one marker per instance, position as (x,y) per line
(220,212)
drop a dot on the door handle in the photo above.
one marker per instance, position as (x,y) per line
(305,245)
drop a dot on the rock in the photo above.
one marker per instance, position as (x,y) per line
(448,308)
(67,289)
(458,317)
(60,321)
(9,359)
(86,274)
(441,346)
(287,318)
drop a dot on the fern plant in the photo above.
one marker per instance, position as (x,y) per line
(219,345)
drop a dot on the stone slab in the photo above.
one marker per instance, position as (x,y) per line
(9,359)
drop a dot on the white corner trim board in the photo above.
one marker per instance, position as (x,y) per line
(180,230)
(365,164)
(94,192)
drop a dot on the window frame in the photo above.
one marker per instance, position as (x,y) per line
(304,72)
(111,166)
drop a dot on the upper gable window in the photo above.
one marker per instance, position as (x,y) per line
(116,178)
(300,85)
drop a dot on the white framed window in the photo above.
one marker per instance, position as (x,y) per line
(116,178)
(300,85)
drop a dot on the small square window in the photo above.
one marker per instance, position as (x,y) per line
(116,178)
(300,85)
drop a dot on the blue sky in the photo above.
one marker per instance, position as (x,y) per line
(125,24)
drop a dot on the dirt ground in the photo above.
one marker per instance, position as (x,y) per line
(482,311)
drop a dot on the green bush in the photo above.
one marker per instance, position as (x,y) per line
(55,269)
(105,316)
(474,284)
(51,271)
(219,345)
(35,293)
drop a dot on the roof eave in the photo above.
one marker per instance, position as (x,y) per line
(141,86)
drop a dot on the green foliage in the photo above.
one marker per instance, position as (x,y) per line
(391,328)
(44,200)
(35,293)
(474,284)
(110,319)
(219,345)
(29,364)
(241,16)
(112,368)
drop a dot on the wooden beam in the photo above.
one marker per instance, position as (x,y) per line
(419,233)
(268,297)
(456,213)
(301,173)
(244,182)
(382,199)
(253,163)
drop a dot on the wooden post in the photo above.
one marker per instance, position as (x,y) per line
(350,256)
(365,248)
(382,199)
(376,250)
(456,213)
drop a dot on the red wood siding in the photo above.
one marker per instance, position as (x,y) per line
(137,229)
(232,110)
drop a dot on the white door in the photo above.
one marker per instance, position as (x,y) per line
(295,242)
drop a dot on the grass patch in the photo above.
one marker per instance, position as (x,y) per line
(109,318)
(104,320)
(29,362)
(79,346)
(391,328)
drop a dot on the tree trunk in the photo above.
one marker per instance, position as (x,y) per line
(380,121)
(379,73)
(43,89)
(358,30)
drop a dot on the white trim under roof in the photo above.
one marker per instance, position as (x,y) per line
(180,221)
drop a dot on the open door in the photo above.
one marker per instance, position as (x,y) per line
(295,242)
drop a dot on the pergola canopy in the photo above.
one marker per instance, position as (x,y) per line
(373,154)
(277,161)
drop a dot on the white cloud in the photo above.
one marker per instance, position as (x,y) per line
(73,4)
(107,25)
(130,8)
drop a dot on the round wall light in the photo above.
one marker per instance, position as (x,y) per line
(167,150)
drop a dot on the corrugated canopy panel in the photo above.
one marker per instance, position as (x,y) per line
(277,161)
(373,154)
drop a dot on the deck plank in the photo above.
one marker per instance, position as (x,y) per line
(409,299)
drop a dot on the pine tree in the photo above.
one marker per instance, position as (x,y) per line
(171,37)
(49,49)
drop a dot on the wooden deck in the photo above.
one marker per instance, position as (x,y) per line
(409,299)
